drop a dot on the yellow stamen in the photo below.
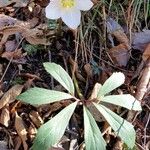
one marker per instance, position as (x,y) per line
(67,3)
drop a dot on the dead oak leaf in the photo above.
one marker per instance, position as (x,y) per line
(21,130)
(146,53)
(5,116)
(33,36)
(140,39)
(17,54)
(120,54)
(17,3)
(10,95)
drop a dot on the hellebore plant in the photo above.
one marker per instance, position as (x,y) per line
(68,11)
(52,131)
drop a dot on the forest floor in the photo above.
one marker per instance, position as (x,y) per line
(114,36)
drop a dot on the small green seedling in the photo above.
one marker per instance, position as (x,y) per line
(51,132)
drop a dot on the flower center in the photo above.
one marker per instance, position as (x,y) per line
(67,3)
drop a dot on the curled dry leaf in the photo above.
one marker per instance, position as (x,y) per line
(36,119)
(17,3)
(32,131)
(21,130)
(5,117)
(17,54)
(120,52)
(10,95)
(140,39)
(146,53)
(6,20)
(10,45)
(88,70)
(10,26)
(17,143)
(33,36)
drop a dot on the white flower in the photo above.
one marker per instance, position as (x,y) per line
(68,10)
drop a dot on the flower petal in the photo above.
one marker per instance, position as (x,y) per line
(84,4)
(53,10)
(71,17)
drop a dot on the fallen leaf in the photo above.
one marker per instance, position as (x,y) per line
(36,119)
(17,54)
(11,95)
(88,70)
(21,130)
(10,45)
(18,3)
(17,143)
(120,54)
(10,26)
(6,20)
(146,53)
(5,117)
(140,39)
(32,131)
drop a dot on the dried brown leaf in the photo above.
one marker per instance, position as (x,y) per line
(33,36)
(36,119)
(10,95)
(146,53)
(18,3)
(10,26)
(17,54)
(10,45)
(5,117)
(32,131)
(17,143)
(21,130)
(141,39)
(119,54)
(88,70)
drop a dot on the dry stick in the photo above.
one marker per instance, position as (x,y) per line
(141,90)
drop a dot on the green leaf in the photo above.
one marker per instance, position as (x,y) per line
(114,81)
(125,100)
(60,75)
(122,128)
(38,96)
(93,137)
(51,132)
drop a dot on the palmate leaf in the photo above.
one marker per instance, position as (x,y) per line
(59,74)
(125,100)
(51,132)
(38,96)
(92,135)
(122,128)
(114,81)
